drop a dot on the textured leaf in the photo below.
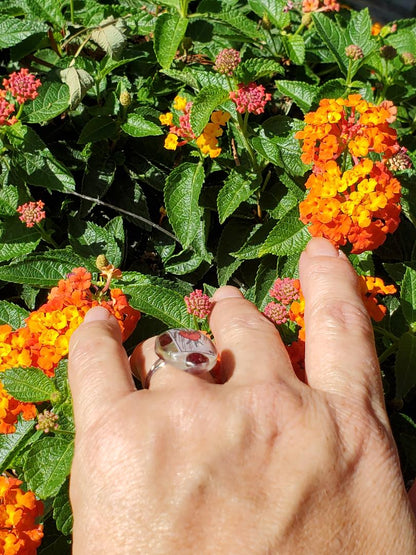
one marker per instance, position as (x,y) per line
(29,385)
(303,94)
(405,370)
(289,235)
(10,444)
(14,30)
(255,68)
(9,200)
(204,104)
(16,239)
(78,81)
(242,24)
(334,38)
(238,187)
(48,463)
(98,129)
(184,76)
(46,10)
(169,32)
(183,263)
(234,235)
(265,277)
(39,271)
(273,10)
(251,248)
(89,240)
(62,512)
(182,190)
(53,99)
(158,301)
(12,314)
(34,162)
(137,126)
(408,296)
(295,48)
(98,176)
(110,36)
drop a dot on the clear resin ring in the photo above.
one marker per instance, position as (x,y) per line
(188,350)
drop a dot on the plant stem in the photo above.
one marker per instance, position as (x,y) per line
(348,78)
(71,7)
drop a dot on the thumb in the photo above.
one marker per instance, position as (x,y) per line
(98,369)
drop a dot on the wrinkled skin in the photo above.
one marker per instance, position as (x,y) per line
(263,463)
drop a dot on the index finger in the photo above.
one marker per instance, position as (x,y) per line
(98,367)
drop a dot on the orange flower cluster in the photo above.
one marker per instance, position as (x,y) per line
(19,533)
(370,288)
(362,204)
(44,341)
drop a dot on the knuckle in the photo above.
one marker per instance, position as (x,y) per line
(335,315)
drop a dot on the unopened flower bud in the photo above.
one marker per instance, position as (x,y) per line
(101,262)
(266,23)
(408,59)
(125,98)
(388,52)
(354,52)
(47,421)
(227,61)
(400,161)
(306,19)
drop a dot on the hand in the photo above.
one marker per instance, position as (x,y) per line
(261,464)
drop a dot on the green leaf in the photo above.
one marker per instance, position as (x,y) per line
(169,32)
(183,263)
(29,385)
(405,370)
(303,94)
(40,270)
(234,235)
(53,99)
(289,235)
(48,463)
(255,68)
(9,200)
(251,248)
(11,444)
(242,24)
(16,239)
(334,38)
(34,162)
(12,314)
(238,187)
(62,512)
(156,300)
(98,129)
(408,296)
(14,30)
(273,10)
(89,240)
(184,76)
(295,48)
(79,82)
(98,176)
(265,277)
(182,190)
(204,104)
(110,36)
(137,126)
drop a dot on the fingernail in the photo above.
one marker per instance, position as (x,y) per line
(318,246)
(226,292)
(97,313)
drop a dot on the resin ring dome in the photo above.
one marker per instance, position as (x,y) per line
(188,350)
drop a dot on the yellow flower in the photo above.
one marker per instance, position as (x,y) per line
(220,118)
(166,119)
(179,103)
(171,142)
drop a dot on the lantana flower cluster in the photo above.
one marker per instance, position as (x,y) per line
(371,289)
(308,6)
(18,88)
(19,532)
(361,204)
(31,213)
(284,291)
(44,340)
(198,304)
(181,134)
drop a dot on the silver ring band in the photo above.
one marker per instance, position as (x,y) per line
(154,368)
